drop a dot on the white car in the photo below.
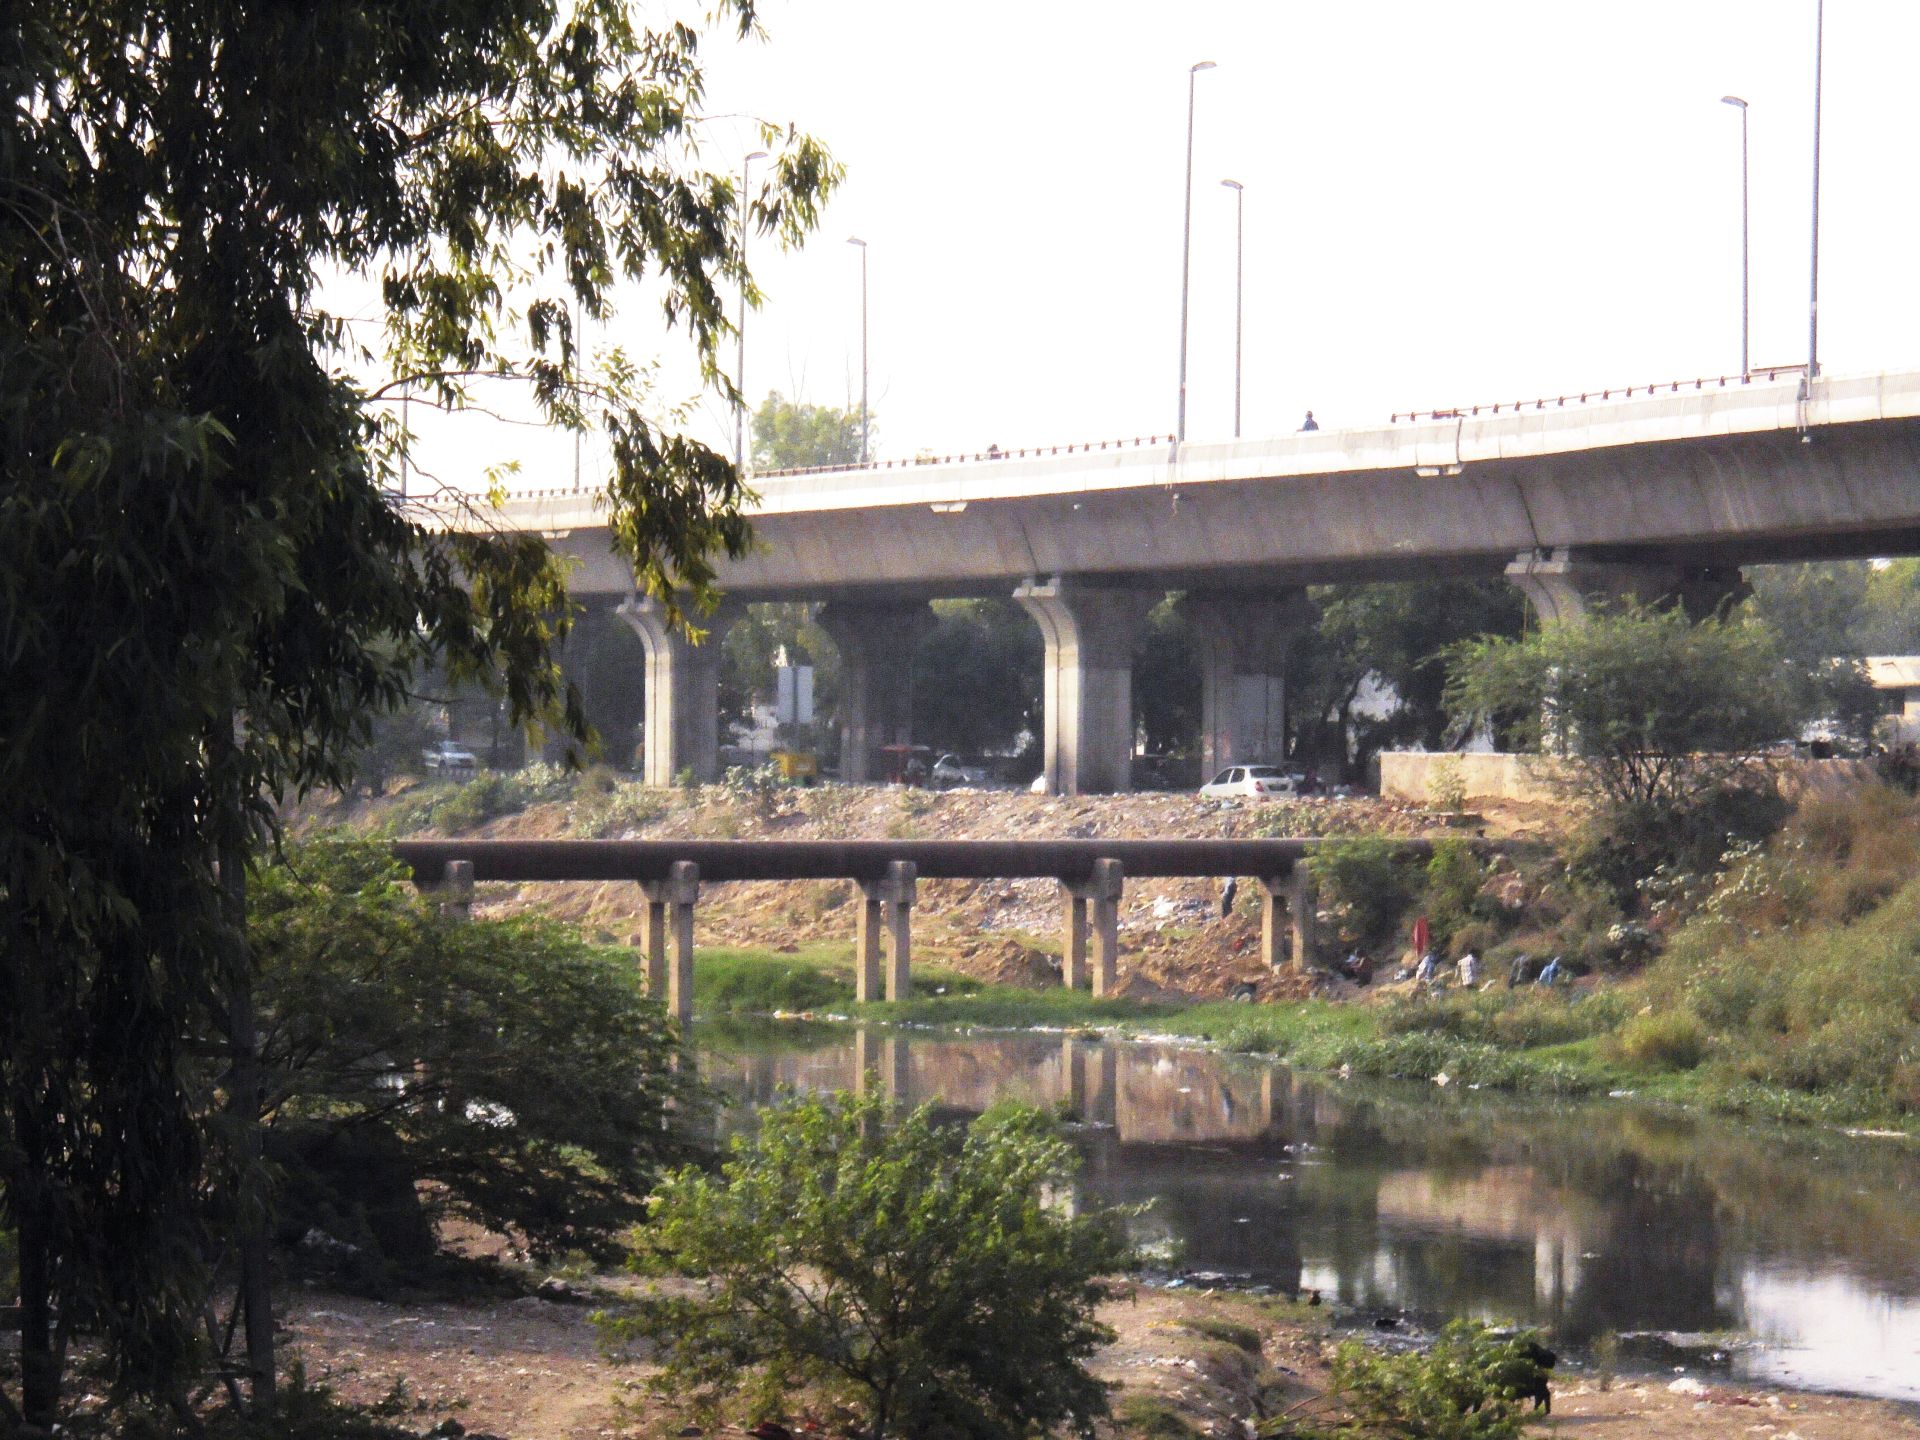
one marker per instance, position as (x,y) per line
(450,758)
(1256,782)
(950,770)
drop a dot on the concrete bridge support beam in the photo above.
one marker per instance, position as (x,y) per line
(682,722)
(884,917)
(1087,681)
(1093,905)
(670,905)
(876,644)
(1564,585)
(1242,644)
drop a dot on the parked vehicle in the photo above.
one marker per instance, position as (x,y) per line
(450,759)
(1257,782)
(951,770)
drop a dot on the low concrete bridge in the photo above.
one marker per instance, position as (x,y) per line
(1651,491)
(1091,875)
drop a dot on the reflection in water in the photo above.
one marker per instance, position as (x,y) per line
(1581,1218)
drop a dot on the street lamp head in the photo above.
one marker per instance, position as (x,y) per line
(757,155)
(856,240)
(1202,65)
(1733,100)
(1233,185)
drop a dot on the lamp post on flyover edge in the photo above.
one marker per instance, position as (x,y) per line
(1186,250)
(740,330)
(1745,308)
(856,240)
(1239,291)
(1813,284)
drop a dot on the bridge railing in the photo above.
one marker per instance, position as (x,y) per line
(1591,397)
(1030,452)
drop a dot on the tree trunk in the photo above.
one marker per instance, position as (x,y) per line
(243,1102)
(39,1360)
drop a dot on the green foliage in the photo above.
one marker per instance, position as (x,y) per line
(518,1071)
(1166,682)
(1366,883)
(1151,1417)
(1447,785)
(304,1411)
(1471,1385)
(1398,633)
(919,1275)
(1890,622)
(1228,1332)
(210,587)
(1452,895)
(745,982)
(1652,706)
(976,676)
(789,435)
(1673,1040)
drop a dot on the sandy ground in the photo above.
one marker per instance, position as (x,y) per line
(530,1369)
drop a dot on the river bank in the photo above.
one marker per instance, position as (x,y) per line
(1183,1364)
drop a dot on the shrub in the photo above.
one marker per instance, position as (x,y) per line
(916,1274)
(1367,883)
(1473,1384)
(1673,1040)
(1450,900)
(518,1069)
(1447,785)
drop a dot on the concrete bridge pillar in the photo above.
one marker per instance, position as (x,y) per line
(1087,680)
(682,724)
(1565,585)
(1242,642)
(876,644)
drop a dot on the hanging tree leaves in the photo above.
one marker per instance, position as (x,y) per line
(207,586)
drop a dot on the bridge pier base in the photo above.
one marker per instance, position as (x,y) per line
(885,909)
(1242,645)
(670,905)
(1565,585)
(876,644)
(1087,681)
(1092,905)
(1287,920)
(682,725)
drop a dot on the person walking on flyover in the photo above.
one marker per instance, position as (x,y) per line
(1311,423)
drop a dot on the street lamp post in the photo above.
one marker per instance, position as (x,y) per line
(1813,284)
(740,330)
(1239,287)
(1186,249)
(1746,367)
(856,240)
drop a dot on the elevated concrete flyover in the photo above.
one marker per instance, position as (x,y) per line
(1657,489)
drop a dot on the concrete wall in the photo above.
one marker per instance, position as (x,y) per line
(1407,775)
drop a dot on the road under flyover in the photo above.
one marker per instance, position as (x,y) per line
(1090,873)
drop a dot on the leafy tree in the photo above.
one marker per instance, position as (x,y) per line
(917,1273)
(1890,619)
(792,435)
(1663,719)
(515,1074)
(976,676)
(1653,707)
(1398,635)
(1816,610)
(209,587)
(1166,683)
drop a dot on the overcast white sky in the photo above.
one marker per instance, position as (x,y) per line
(1445,202)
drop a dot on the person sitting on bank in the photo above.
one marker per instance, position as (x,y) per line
(1469,971)
(1550,976)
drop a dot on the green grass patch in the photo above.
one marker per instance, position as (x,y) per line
(1228,1332)
(759,982)
(1149,1417)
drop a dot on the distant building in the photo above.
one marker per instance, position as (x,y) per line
(1897,678)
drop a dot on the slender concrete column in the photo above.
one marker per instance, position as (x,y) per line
(869,924)
(652,943)
(876,644)
(898,896)
(1100,894)
(1303,900)
(1564,586)
(1241,642)
(683,691)
(1073,938)
(670,905)
(1087,681)
(1274,920)
(456,890)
